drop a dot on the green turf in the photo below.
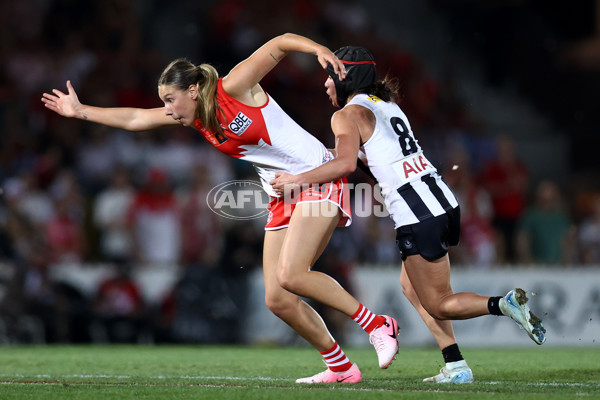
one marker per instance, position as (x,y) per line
(231,372)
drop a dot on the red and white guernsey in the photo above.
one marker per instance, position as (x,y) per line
(266,137)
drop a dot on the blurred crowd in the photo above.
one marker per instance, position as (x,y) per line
(78,193)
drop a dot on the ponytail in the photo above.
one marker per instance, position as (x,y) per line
(386,89)
(208,106)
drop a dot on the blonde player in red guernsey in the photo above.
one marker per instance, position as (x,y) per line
(239,118)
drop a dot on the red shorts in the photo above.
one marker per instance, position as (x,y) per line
(336,192)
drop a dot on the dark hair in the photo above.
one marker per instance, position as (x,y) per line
(386,89)
(181,73)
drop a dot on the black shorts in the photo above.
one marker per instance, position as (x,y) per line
(430,238)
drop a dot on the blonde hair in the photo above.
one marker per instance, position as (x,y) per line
(181,73)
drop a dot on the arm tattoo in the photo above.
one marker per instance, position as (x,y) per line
(274,58)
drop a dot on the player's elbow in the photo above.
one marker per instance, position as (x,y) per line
(141,125)
(286,36)
(284,44)
(347,167)
(135,128)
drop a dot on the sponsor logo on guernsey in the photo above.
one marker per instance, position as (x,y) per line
(413,167)
(240,123)
(373,99)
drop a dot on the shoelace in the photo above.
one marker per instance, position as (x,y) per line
(376,340)
(442,375)
(444,372)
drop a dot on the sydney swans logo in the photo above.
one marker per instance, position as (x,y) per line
(240,199)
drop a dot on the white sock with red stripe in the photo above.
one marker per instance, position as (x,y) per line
(335,359)
(366,319)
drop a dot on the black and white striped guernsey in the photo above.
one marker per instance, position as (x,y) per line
(412,188)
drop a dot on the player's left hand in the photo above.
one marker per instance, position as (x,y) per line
(325,56)
(285,182)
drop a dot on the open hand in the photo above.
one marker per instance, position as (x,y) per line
(67,105)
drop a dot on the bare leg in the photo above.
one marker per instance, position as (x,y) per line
(431,282)
(288,306)
(310,229)
(441,330)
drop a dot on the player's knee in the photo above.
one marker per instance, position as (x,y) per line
(278,305)
(441,311)
(288,280)
(435,311)
(435,315)
(283,277)
(448,309)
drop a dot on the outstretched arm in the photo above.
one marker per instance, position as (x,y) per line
(248,73)
(131,119)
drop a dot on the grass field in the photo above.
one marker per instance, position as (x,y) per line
(235,372)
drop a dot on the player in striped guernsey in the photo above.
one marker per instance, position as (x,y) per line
(425,212)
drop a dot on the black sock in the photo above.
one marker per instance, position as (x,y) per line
(494,305)
(452,353)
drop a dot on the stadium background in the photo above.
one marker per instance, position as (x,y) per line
(519,74)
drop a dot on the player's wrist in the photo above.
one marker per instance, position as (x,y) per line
(81,112)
